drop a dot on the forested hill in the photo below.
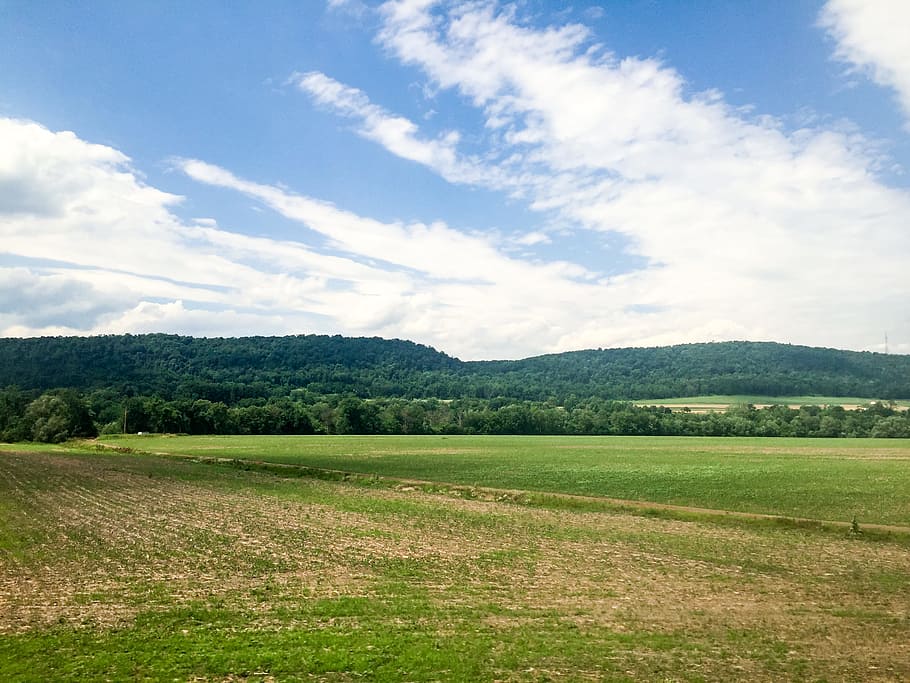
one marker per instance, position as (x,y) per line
(230,370)
(223,369)
(727,368)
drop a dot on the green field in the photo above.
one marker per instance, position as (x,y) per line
(827,479)
(129,566)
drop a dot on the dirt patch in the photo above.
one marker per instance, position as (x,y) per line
(102,530)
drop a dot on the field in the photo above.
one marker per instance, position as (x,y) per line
(827,479)
(722,403)
(132,566)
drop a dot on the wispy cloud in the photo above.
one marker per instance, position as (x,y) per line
(749,227)
(871,35)
(458,290)
(397,134)
(434,250)
(354,8)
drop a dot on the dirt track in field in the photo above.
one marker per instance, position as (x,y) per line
(95,540)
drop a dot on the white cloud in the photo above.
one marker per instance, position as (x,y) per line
(354,8)
(34,177)
(112,256)
(435,250)
(749,228)
(98,250)
(175,318)
(872,36)
(52,300)
(396,133)
(457,292)
(532,238)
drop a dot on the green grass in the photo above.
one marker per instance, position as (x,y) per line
(135,567)
(353,636)
(346,638)
(211,645)
(824,479)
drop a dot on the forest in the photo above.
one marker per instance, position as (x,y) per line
(57,388)
(230,370)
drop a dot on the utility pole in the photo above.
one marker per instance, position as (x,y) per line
(124,420)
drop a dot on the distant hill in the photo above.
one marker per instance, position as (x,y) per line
(232,369)
(221,369)
(747,368)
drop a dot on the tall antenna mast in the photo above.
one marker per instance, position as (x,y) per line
(886,342)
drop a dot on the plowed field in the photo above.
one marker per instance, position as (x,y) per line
(124,567)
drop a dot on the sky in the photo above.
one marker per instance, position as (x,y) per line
(496,180)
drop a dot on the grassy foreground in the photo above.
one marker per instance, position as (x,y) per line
(134,567)
(827,479)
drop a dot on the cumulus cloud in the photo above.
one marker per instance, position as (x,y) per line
(871,35)
(52,300)
(110,252)
(34,172)
(112,256)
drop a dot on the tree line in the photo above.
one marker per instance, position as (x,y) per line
(60,414)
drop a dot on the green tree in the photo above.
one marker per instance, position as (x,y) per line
(13,403)
(892,427)
(58,415)
(355,416)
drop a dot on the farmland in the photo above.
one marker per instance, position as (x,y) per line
(828,479)
(129,565)
(721,403)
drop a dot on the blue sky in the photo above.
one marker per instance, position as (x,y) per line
(497,180)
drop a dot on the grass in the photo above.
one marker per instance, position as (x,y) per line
(824,479)
(136,567)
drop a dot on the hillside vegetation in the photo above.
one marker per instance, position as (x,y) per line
(229,370)
(52,389)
